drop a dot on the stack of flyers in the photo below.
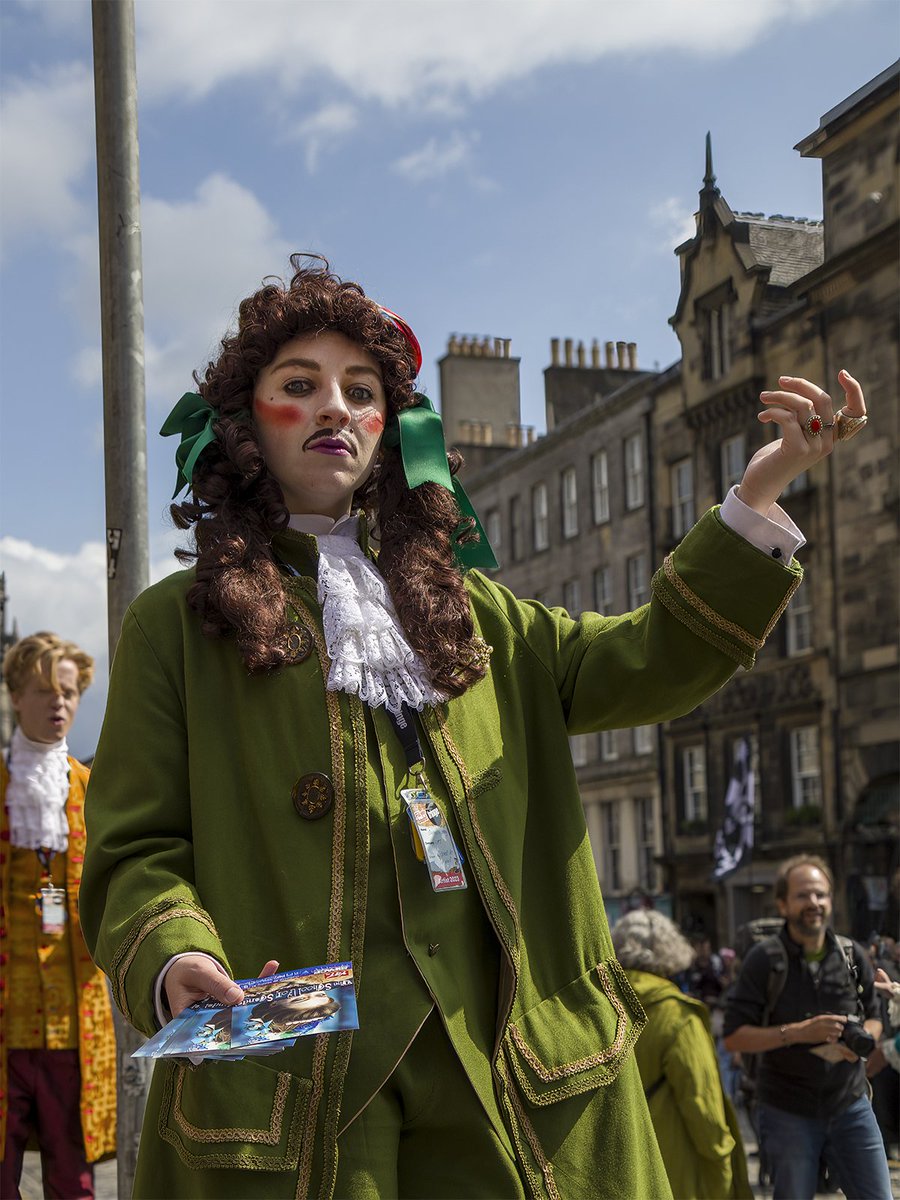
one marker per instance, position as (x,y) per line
(274,1012)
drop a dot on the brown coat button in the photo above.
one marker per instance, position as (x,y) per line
(313,795)
(298,643)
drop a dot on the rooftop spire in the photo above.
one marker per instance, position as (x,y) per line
(709,179)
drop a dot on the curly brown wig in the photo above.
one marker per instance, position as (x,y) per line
(237,504)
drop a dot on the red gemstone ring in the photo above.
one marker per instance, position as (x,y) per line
(815,425)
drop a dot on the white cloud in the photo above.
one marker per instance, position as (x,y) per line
(436,158)
(431,54)
(674,221)
(201,255)
(322,130)
(46,149)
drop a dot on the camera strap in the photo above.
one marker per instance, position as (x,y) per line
(846,948)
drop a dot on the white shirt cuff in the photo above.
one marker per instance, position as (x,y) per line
(775,534)
(163,1015)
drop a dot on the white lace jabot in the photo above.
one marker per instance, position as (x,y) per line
(37,793)
(370,656)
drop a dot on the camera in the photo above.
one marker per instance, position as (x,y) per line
(856,1038)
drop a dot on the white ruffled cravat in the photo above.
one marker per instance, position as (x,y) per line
(370,656)
(37,793)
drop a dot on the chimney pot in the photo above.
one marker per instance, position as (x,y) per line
(506,343)
(595,353)
(632,356)
(554,352)
(620,352)
(488,433)
(610,355)
(529,434)
(453,345)
(581,361)
(568,349)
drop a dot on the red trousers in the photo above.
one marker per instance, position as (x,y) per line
(43,1088)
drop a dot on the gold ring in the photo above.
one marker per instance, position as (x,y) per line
(847,427)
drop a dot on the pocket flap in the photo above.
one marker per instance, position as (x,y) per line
(234,1114)
(578,1038)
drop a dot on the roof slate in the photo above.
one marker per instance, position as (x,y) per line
(790,247)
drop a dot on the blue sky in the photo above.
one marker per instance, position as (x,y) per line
(518,168)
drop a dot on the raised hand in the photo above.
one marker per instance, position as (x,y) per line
(810,428)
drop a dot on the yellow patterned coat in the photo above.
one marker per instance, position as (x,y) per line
(81,1015)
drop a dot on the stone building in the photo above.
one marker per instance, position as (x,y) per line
(582,517)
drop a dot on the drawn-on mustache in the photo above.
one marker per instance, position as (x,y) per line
(328,435)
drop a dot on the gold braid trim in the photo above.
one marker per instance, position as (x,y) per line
(795,583)
(729,649)
(704,609)
(335,729)
(613,1050)
(172,910)
(531,1177)
(249,1162)
(357,938)
(532,1139)
(499,884)
(268,1137)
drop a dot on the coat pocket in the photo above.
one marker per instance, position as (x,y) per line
(578,1038)
(234,1114)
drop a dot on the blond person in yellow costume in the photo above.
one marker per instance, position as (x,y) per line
(57,1047)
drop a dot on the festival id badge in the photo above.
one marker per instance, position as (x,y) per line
(433,841)
(53,910)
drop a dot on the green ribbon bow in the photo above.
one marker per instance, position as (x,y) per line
(419,432)
(192,417)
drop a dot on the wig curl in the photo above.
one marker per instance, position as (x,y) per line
(237,504)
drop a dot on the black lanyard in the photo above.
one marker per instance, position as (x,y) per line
(404,724)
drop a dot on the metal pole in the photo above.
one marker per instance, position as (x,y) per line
(124,422)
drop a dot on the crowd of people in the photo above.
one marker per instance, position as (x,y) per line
(333,653)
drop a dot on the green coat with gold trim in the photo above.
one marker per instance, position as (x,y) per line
(194,844)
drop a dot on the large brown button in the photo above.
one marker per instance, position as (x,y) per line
(313,795)
(298,643)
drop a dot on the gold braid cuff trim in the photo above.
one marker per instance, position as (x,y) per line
(250,1162)
(268,1137)
(536,1148)
(729,649)
(171,910)
(714,618)
(499,884)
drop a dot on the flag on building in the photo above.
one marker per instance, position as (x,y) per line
(734,841)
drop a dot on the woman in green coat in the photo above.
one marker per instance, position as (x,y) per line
(695,1122)
(269,708)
